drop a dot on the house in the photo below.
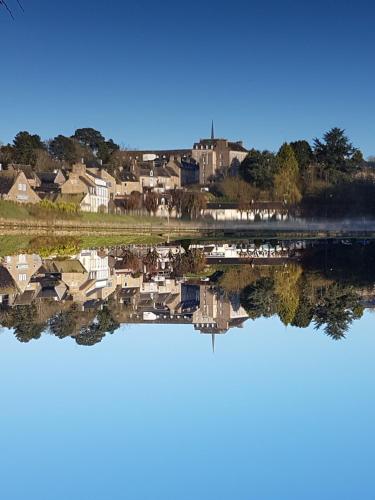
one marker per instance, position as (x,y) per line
(50,182)
(159,179)
(94,188)
(22,268)
(102,173)
(31,175)
(14,186)
(127,183)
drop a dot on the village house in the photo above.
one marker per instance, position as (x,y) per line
(94,188)
(50,182)
(14,186)
(159,179)
(31,176)
(121,183)
(127,183)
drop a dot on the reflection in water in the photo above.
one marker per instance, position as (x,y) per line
(213,287)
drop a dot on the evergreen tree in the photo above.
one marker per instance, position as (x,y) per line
(25,147)
(287,176)
(259,168)
(336,155)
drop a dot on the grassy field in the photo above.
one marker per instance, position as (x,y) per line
(15,211)
(10,210)
(68,245)
(10,245)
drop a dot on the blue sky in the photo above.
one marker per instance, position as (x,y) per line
(154,74)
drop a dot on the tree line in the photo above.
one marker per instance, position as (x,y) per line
(86,143)
(300,173)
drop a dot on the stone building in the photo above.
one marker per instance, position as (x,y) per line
(14,186)
(94,188)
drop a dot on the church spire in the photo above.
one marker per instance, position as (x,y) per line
(212,131)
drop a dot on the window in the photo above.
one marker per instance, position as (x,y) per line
(22,277)
(21,187)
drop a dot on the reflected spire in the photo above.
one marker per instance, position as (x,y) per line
(213,342)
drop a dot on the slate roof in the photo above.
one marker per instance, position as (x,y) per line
(7,180)
(125,176)
(7,284)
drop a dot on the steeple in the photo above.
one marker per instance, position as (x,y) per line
(212,131)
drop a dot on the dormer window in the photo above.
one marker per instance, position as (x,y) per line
(151,173)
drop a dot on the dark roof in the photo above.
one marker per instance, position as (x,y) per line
(233,146)
(158,172)
(7,284)
(47,187)
(47,177)
(237,146)
(125,176)
(7,179)
(26,169)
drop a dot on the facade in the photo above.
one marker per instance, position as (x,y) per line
(22,267)
(126,184)
(14,186)
(159,179)
(95,189)
(217,156)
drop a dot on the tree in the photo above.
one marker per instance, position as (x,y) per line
(259,168)
(7,154)
(22,319)
(106,149)
(238,190)
(259,299)
(26,146)
(64,149)
(89,137)
(303,153)
(192,203)
(65,324)
(286,179)
(94,333)
(151,202)
(336,155)
(287,291)
(337,309)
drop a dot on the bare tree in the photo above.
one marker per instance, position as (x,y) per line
(4,4)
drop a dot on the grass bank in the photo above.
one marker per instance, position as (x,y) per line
(68,245)
(23,213)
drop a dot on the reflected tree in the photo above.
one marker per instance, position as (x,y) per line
(337,309)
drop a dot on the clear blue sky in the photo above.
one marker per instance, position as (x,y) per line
(154,74)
